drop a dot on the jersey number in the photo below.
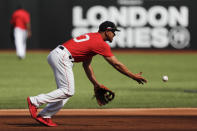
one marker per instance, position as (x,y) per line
(87,37)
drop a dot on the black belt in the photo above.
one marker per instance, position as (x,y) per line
(62,48)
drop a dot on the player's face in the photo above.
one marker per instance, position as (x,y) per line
(110,35)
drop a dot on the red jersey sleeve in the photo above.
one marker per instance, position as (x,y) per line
(104,49)
(27,17)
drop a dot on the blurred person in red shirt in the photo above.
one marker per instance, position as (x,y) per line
(21,30)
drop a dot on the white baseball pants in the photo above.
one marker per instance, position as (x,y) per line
(60,61)
(20,37)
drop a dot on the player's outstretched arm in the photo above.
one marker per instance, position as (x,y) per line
(89,72)
(28,25)
(124,70)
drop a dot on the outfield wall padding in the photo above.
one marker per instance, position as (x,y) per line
(144,24)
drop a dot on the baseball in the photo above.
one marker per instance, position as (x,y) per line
(165,78)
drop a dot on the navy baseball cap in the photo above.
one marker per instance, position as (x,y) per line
(108,25)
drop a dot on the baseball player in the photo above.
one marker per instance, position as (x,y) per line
(61,59)
(21,30)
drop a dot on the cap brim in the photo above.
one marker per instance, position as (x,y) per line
(115,29)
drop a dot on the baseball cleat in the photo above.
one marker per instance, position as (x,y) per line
(32,108)
(46,121)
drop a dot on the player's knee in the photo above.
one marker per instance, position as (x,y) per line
(68,93)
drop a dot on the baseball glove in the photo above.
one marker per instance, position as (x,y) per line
(103,95)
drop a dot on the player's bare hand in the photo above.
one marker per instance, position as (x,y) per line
(29,34)
(138,77)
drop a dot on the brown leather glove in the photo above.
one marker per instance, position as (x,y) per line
(103,95)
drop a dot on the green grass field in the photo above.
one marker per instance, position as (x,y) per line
(33,76)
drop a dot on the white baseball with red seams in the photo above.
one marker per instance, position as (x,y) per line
(165,78)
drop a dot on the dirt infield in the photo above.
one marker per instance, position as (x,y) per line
(174,119)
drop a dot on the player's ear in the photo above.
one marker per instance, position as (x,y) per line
(106,33)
